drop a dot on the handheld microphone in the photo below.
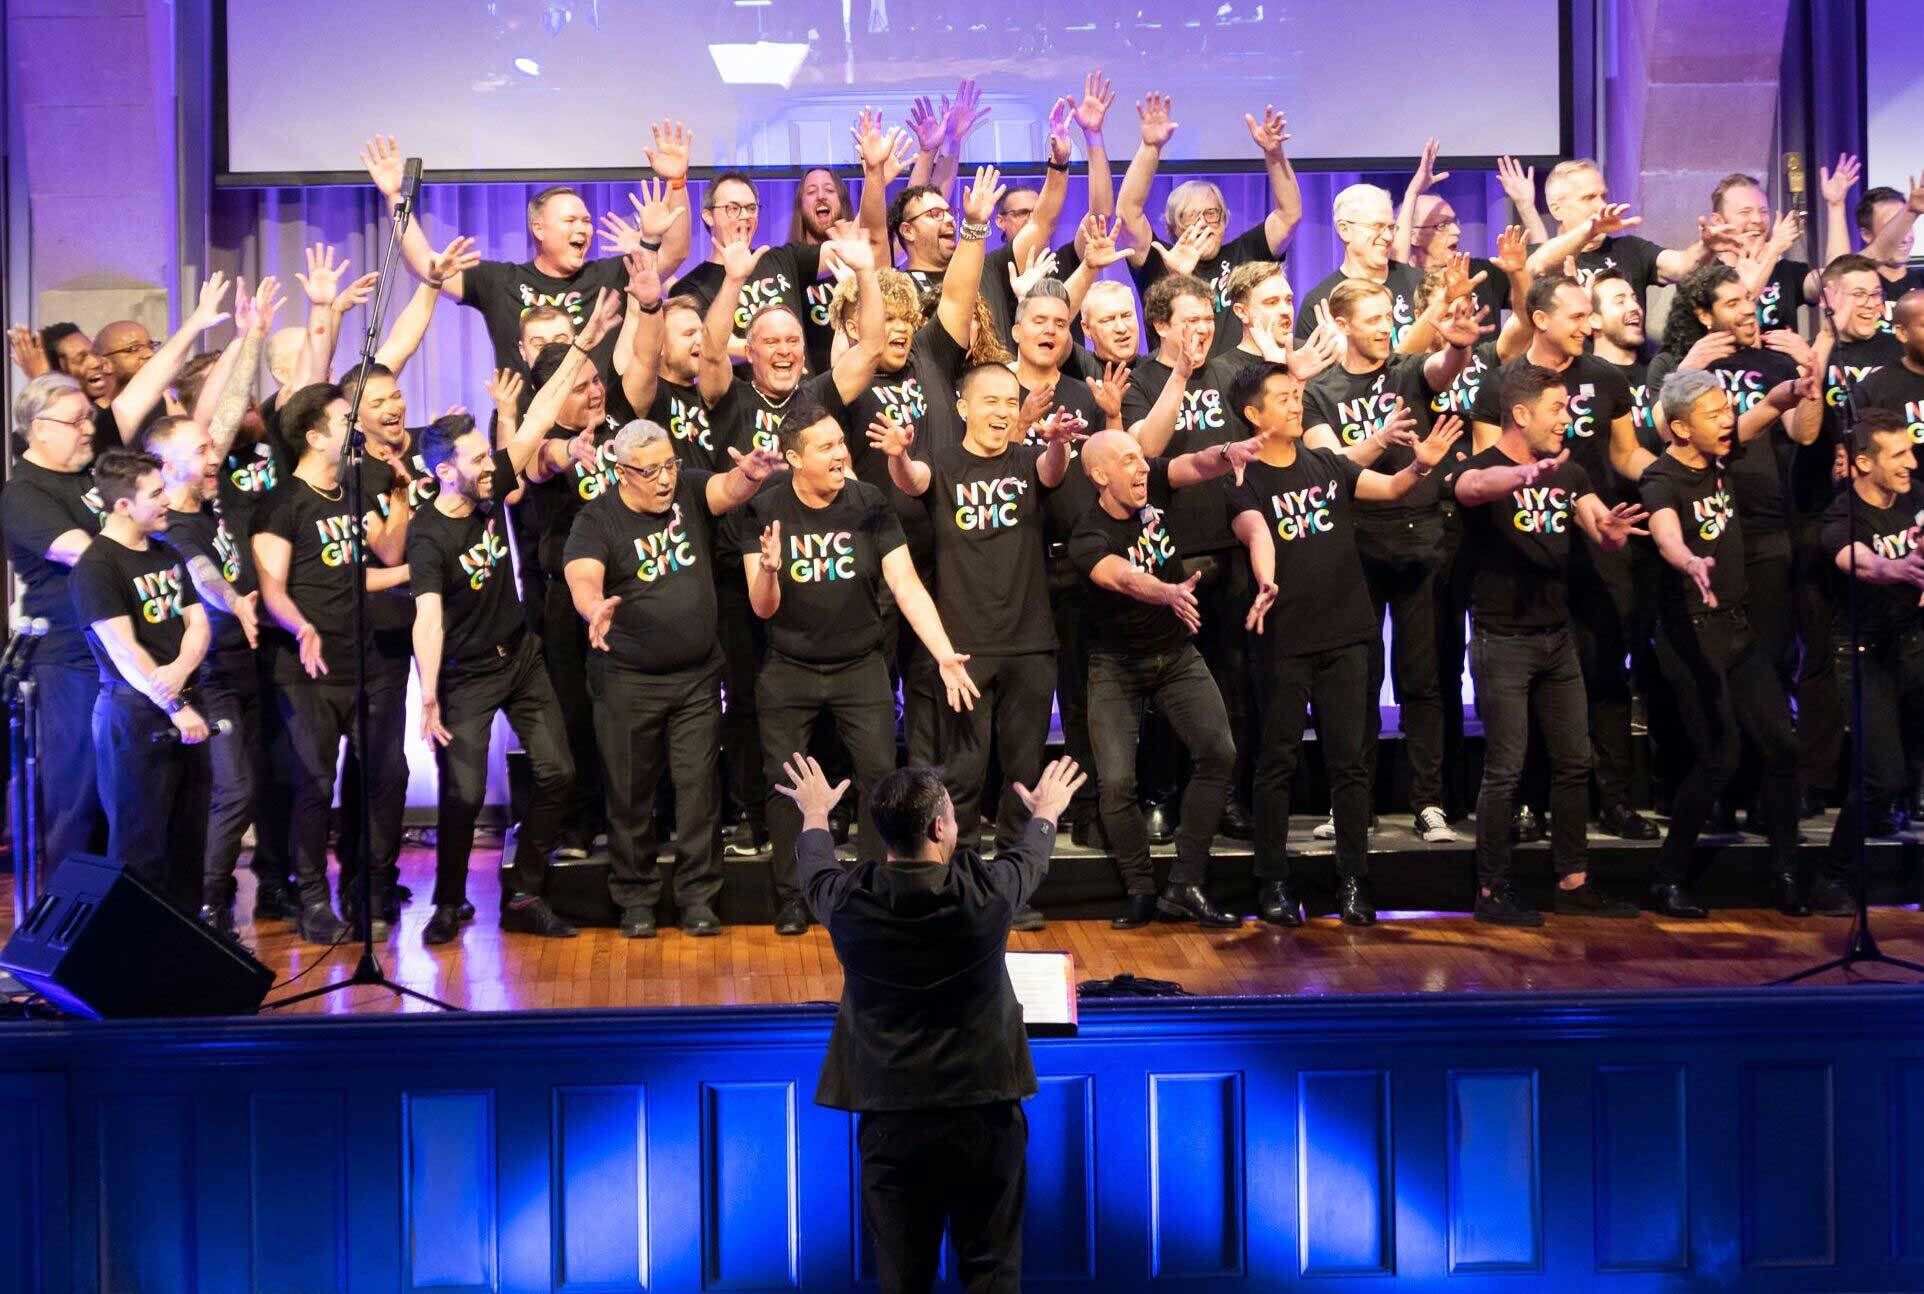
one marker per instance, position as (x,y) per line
(1794,175)
(410,182)
(170,736)
(35,627)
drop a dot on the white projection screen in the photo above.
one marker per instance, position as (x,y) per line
(525,89)
(1893,91)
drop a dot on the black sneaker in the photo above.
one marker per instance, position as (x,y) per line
(1502,908)
(1526,828)
(1625,823)
(532,916)
(571,847)
(1588,901)
(700,922)
(746,843)
(443,926)
(638,923)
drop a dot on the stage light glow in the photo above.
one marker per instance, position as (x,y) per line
(527,66)
(765,62)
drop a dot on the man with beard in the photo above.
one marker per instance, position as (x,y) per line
(1722,675)
(1400,542)
(1141,619)
(1576,195)
(1603,596)
(637,561)
(1620,341)
(821,202)
(1429,235)
(818,549)
(1195,215)
(1886,220)
(1899,387)
(474,658)
(50,512)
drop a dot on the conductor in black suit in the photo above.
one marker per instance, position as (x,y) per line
(928,1043)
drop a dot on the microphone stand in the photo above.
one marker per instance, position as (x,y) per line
(367,972)
(23,757)
(1861,946)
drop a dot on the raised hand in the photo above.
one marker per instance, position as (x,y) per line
(1445,433)
(1108,390)
(1181,598)
(1710,348)
(619,237)
(1698,569)
(583,449)
(890,436)
(1054,790)
(644,277)
(1183,257)
(1152,111)
(1715,234)
(1398,426)
(1835,184)
(382,158)
(927,125)
(1512,250)
(883,154)
(504,390)
(433,731)
(262,307)
(1259,607)
(1241,453)
(961,689)
(1098,96)
(1785,232)
(29,356)
(1790,342)
(1326,322)
(757,464)
(1322,348)
(980,199)
(1064,426)
(1615,217)
(322,282)
(850,246)
(600,621)
(668,155)
(960,119)
(1427,175)
(1098,237)
(1519,184)
(739,259)
(457,257)
(1462,330)
(771,547)
(653,211)
(1621,522)
(809,788)
(602,320)
(1042,265)
(1458,282)
(356,293)
(1060,149)
(207,311)
(1537,468)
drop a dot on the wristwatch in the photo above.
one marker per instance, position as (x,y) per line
(175,706)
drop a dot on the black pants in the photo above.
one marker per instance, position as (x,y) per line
(923,696)
(1223,595)
(790,697)
(1069,601)
(70,795)
(1179,684)
(231,690)
(1726,689)
(317,715)
(564,650)
(648,724)
(1603,610)
(966,1168)
(1400,565)
(1893,672)
(514,683)
(155,792)
(743,643)
(1821,690)
(1520,678)
(1336,683)
(1452,603)
(273,781)
(1013,714)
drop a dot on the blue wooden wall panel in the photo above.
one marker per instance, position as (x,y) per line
(33,1156)
(1907,1154)
(146,1193)
(1059,1224)
(297,1222)
(449,1195)
(749,1186)
(1344,1185)
(1495,1219)
(1641,1171)
(600,1180)
(1196,1175)
(1789,1165)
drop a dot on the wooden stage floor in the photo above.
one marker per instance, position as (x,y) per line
(751,965)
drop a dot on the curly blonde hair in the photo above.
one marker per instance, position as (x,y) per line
(900,300)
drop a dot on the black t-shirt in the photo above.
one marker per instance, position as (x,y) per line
(818,334)
(1712,521)
(783,274)
(422,485)
(831,571)
(246,476)
(1460,396)
(658,565)
(1852,363)
(149,586)
(1598,397)
(322,532)
(991,581)
(502,291)
(36,508)
(689,422)
(465,560)
(205,534)
(1322,602)
(1882,609)
(1493,293)
(1634,257)
(1405,283)
(1894,289)
(1755,481)
(745,419)
(1784,292)
(1354,406)
(1643,402)
(1063,506)
(547,510)
(1245,248)
(1896,388)
(1119,625)
(1519,546)
(1197,519)
(106,429)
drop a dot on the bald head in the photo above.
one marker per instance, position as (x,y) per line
(125,345)
(1909,311)
(283,351)
(1102,451)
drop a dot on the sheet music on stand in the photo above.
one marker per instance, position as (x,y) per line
(1045,984)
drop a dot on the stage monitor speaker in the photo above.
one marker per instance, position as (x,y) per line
(102,943)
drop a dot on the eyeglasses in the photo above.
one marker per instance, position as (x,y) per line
(1448,222)
(938,212)
(671,467)
(147,347)
(1863,296)
(71,424)
(736,210)
(1208,216)
(1375,229)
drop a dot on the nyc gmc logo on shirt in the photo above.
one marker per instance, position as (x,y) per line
(1712,514)
(666,551)
(903,401)
(1744,385)
(337,539)
(1642,416)
(1583,419)
(757,294)
(159,594)
(1303,513)
(1201,411)
(821,559)
(1460,395)
(478,562)
(91,501)
(689,421)
(227,550)
(1913,412)
(1362,416)
(817,298)
(989,505)
(593,482)
(572,302)
(1542,509)
(1153,547)
(767,435)
(1895,547)
(1836,375)
(257,477)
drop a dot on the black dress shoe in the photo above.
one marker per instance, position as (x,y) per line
(1355,904)
(1723,819)
(1277,904)
(1787,891)
(1028,919)
(275,903)
(218,917)
(532,916)
(1829,898)
(464,910)
(638,923)
(1588,901)
(1189,903)
(351,918)
(572,847)
(1138,910)
(1502,908)
(792,919)
(402,894)
(1087,834)
(1526,828)
(1237,823)
(1676,901)
(700,922)
(1625,823)
(442,926)
(1160,819)
(319,925)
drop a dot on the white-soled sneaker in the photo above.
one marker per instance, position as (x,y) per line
(1326,829)
(1434,827)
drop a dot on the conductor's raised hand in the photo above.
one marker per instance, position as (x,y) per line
(1053,790)
(810,790)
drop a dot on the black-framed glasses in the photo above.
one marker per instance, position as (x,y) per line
(736,210)
(147,347)
(71,424)
(651,472)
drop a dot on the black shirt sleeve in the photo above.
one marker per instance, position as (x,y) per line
(96,590)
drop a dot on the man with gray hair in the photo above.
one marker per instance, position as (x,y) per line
(1719,670)
(1576,194)
(638,568)
(1366,222)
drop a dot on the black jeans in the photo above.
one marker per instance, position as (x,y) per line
(790,697)
(965,1167)
(1336,683)
(1223,596)
(1521,677)
(1013,714)
(1400,565)
(514,683)
(232,691)
(1893,672)
(316,715)
(1069,600)
(155,792)
(648,724)
(273,780)
(1603,610)
(70,795)
(1179,684)
(1726,688)
(1452,605)
(1821,690)
(743,643)
(564,650)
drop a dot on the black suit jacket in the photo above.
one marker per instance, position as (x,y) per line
(928,1018)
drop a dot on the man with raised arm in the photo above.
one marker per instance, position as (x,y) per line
(1429,235)
(1578,199)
